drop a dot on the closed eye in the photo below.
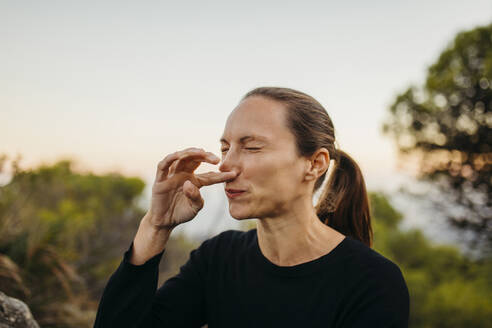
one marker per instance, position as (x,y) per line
(248,148)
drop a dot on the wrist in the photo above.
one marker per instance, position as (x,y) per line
(148,222)
(149,241)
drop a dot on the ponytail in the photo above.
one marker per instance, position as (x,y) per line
(344,205)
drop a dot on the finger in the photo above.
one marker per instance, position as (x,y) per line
(210,178)
(169,164)
(163,166)
(193,194)
(189,162)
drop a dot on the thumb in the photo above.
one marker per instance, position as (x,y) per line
(193,194)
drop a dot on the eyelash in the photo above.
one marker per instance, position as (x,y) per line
(249,148)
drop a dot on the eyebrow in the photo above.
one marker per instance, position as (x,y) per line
(246,138)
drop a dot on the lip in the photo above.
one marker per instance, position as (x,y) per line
(234,193)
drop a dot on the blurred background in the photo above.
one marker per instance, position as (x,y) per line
(94,94)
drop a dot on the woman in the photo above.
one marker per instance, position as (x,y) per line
(303,266)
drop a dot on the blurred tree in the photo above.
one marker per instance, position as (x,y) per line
(447,289)
(65,232)
(446,125)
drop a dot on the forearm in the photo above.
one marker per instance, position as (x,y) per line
(148,242)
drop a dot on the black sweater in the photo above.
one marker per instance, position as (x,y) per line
(227,282)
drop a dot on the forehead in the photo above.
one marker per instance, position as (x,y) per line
(260,117)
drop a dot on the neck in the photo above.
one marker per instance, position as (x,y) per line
(296,237)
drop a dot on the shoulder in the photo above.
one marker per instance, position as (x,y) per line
(216,250)
(228,241)
(367,273)
(368,261)
(373,285)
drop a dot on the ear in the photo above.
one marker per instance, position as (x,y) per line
(317,164)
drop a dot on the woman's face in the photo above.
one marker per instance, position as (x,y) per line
(259,147)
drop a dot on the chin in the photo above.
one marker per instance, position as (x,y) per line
(240,217)
(240,214)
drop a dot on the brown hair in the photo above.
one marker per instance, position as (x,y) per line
(344,204)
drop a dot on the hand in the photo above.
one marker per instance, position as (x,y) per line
(176,196)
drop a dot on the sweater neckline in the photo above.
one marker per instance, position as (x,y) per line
(302,268)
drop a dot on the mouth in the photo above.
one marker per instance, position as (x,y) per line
(234,193)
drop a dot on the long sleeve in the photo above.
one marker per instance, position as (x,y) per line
(130,298)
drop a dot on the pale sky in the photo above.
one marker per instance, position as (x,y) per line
(117,85)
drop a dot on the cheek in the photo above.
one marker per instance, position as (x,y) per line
(259,170)
(274,174)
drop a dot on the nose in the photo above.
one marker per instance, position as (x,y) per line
(229,163)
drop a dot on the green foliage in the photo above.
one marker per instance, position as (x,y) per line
(382,209)
(446,124)
(70,211)
(446,288)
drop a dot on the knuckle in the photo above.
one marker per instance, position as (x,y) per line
(190,152)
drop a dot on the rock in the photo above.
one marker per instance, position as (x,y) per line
(15,314)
